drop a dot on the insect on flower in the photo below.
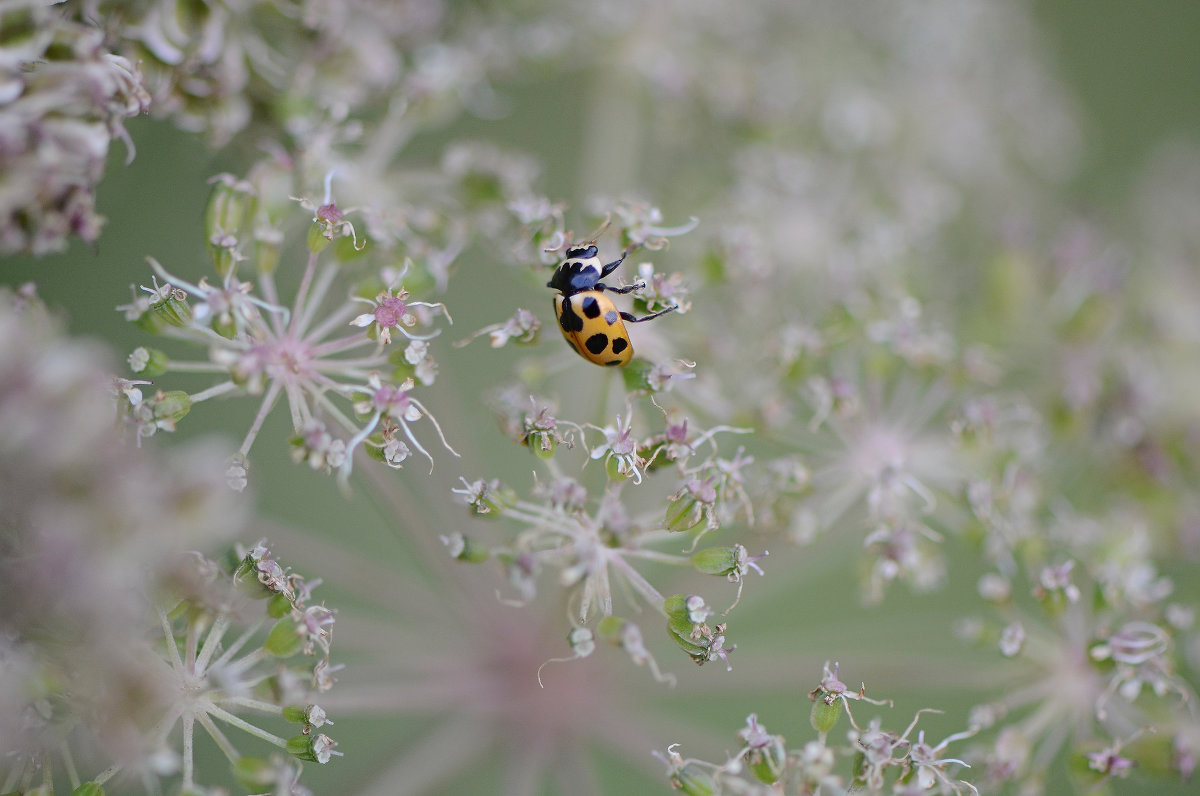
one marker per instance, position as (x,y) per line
(589,320)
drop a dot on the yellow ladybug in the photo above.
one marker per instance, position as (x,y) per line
(589,319)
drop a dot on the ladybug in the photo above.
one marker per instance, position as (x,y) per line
(589,319)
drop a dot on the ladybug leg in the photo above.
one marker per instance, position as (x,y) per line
(622,290)
(629,317)
(608,269)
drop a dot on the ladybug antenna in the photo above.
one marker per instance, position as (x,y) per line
(600,231)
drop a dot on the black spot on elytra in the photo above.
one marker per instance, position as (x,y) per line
(619,344)
(612,362)
(611,317)
(569,321)
(591,307)
(597,342)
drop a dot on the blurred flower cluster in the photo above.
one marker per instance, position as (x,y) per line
(892,353)
(112,634)
(64,96)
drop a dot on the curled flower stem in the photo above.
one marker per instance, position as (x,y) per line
(435,423)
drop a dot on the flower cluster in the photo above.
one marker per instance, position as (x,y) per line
(309,68)
(894,355)
(873,760)
(90,537)
(347,376)
(206,681)
(1102,668)
(65,96)
(590,537)
(278,660)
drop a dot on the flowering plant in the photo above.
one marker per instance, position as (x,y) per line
(873,335)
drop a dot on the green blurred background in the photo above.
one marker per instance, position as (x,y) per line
(1135,71)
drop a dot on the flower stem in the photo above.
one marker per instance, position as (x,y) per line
(245,726)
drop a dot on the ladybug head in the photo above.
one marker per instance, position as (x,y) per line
(579,271)
(583,252)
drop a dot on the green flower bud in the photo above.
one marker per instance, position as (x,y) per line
(246,577)
(170,407)
(267,245)
(148,362)
(301,746)
(284,640)
(225,326)
(767,763)
(488,498)
(824,716)
(540,443)
(675,605)
(689,608)
(609,628)
(403,369)
(317,242)
(612,467)
(692,781)
(683,513)
(685,615)
(278,606)
(223,251)
(312,748)
(296,714)
(681,634)
(173,310)
(716,560)
(634,375)
(88,789)
(231,205)
(305,714)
